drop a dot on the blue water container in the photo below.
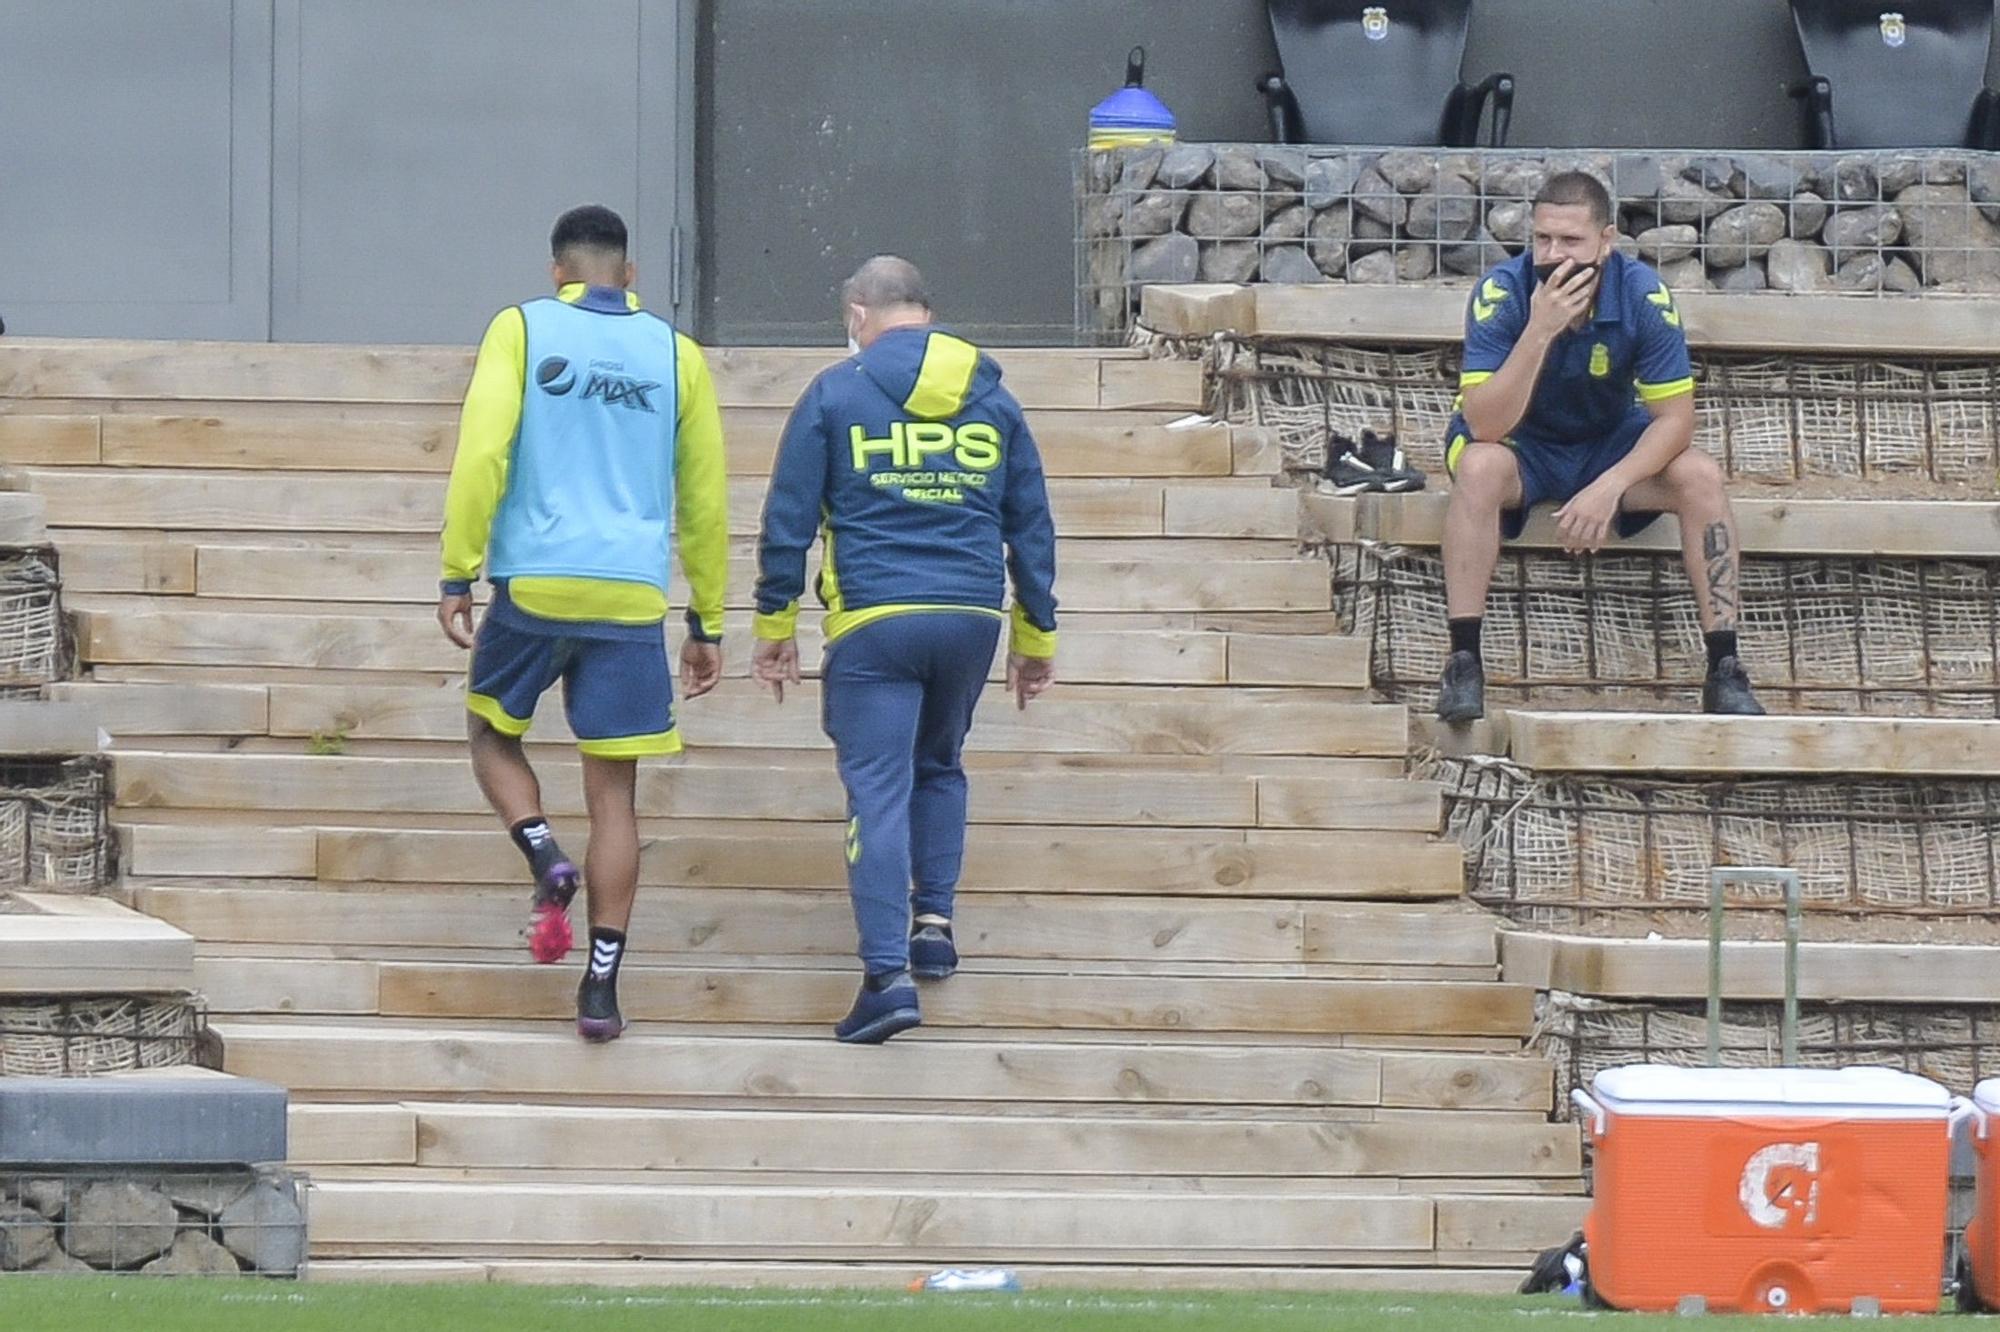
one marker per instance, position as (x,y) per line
(1132,114)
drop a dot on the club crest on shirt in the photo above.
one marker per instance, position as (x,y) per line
(1375,22)
(1600,361)
(1894,31)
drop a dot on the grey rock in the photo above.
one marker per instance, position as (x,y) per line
(1861,273)
(1766,176)
(1952,242)
(1369,235)
(1101,171)
(1409,171)
(1229,261)
(194,1254)
(1373,268)
(1473,259)
(1289,224)
(1155,214)
(1685,275)
(1237,168)
(1747,277)
(1799,266)
(1942,170)
(1896,174)
(26,1238)
(1414,263)
(1510,222)
(1103,216)
(1808,215)
(1185,165)
(1669,244)
(1327,235)
(1818,175)
(1218,215)
(1639,177)
(47,1196)
(1682,200)
(1515,178)
(1290,263)
(117,1223)
(1718,175)
(1329,180)
(1743,233)
(1855,180)
(1277,201)
(1284,166)
(1174,258)
(1868,227)
(1626,245)
(1599,165)
(1141,166)
(1983,180)
(58,1261)
(1375,197)
(266,1227)
(1450,212)
(1898,276)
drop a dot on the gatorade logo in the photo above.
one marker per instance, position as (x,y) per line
(1780,1186)
(555,376)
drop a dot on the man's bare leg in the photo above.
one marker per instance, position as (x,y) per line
(609,787)
(1486,482)
(1691,489)
(500,765)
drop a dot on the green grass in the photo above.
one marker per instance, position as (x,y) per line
(115,1304)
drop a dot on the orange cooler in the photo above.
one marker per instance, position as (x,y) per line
(1768,1190)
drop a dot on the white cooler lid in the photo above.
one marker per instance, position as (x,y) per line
(1987,1095)
(1660,1089)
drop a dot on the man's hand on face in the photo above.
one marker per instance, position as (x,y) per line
(1563,299)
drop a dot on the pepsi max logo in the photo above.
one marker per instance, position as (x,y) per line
(555,376)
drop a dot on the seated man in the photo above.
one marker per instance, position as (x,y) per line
(1577,391)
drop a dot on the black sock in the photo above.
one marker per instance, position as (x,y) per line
(607,950)
(1721,643)
(1465,634)
(532,836)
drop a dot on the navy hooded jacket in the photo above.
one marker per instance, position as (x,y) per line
(916,466)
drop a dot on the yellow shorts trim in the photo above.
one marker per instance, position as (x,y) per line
(839,624)
(488,708)
(634,746)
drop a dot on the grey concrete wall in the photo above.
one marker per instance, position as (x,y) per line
(942,128)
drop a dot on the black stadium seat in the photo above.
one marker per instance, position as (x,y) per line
(1378,74)
(1897,73)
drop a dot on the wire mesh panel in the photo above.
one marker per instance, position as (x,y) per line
(203,1222)
(1921,222)
(34,650)
(56,1036)
(55,825)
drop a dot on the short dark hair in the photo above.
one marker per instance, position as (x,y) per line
(1567,189)
(589,227)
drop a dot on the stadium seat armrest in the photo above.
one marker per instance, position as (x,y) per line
(1816,94)
(1282,107)
(1500,88)
(1986,121)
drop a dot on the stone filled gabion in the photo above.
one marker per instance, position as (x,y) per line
(248,1220)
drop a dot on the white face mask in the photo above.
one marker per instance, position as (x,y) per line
(853,347)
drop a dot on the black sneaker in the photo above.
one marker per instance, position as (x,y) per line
(1384,456)
(1727,693)
(933,955)
(1462,690)
(884,1006)
(1345,469)
(597,1016)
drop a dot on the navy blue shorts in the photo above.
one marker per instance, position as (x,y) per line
(617,692)
(1553,472)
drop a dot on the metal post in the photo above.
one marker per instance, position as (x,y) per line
(1718,880)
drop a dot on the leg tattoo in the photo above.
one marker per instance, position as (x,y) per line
(1720,554)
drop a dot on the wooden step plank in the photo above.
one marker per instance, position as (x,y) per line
(410,576)
(1678,969)
(325,372)
(314,443)
(1298,659)
(1640,742)
(1107,1003)
(58,440)
(1313,802)
(402,641)
(1246,511)
(1917,529)
(109,950)
(1819,325)
(547,1061)
(738,714)
(780,923)
(283,985)
(1205,863)
(586,1137)
(1155,383)
(389,1217)
(148,567)
(250,853)
(421,785)
(1472,1229)
(351,1134)
(177,709)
